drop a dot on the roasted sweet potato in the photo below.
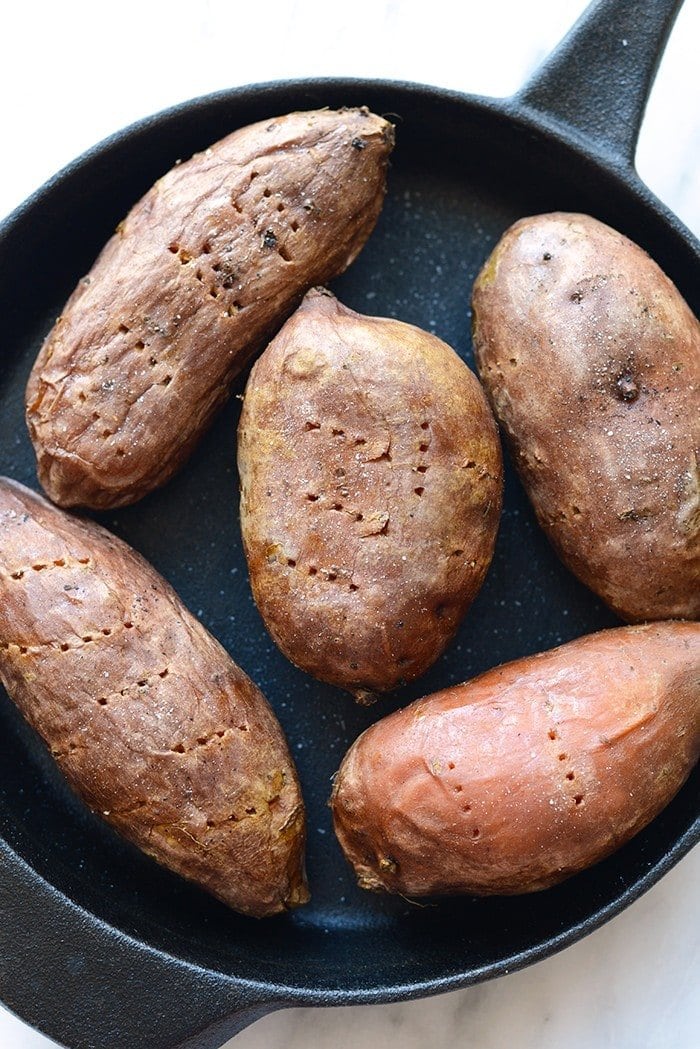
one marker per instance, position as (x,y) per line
(151,722)
(527,774)
(201,272)
(371,481)
(591,360)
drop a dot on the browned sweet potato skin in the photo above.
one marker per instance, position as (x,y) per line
(152,723)
(371,481)
(198,275)
(591,360)
(527,774)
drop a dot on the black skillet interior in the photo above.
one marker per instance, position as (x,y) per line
(463,170)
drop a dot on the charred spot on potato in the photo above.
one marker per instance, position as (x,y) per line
(626,388)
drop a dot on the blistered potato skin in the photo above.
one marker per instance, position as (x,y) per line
(195,280)
(529,773)
(151,722)
(591,360)
(371,482)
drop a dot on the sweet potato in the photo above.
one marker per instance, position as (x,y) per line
(527,774)
(193,282)
(151,722)
(591,360)
(371,481)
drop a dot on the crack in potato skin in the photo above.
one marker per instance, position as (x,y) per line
(591,360)
(527,774)
(195,279)
(371,481)
(151,722)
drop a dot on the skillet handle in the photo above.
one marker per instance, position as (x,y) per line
(597,81)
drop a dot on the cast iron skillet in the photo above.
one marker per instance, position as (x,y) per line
(99,946)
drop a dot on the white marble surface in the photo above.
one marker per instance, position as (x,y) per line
(73,72)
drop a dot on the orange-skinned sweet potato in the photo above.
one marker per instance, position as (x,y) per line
(149,719)
(591,360)
(527,774)
(371,481)
(200,273)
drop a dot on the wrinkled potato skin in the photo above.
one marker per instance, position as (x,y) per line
(195,280)
(151,722)
(527,774)
(371,482)
(591,360)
